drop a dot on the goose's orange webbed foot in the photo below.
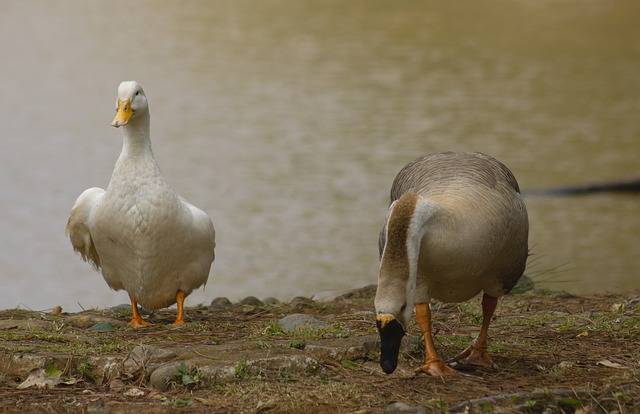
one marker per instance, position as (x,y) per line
(437,368)
(476,356)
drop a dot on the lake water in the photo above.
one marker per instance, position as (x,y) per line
(287,121)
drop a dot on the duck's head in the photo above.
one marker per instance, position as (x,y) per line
(131,103)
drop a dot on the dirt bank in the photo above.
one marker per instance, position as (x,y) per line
(555,353)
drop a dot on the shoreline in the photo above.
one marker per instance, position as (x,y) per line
(320,356)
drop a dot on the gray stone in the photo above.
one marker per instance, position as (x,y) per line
(301,300)
(400,407)
(331,295)
(125,309)
(251,300)
(146,358)
(299,320)
(220,303)
(27,324)
(294,364)
(270,301)
(84,321)
(102,327)
(106,368)
(20,365)
(162,376)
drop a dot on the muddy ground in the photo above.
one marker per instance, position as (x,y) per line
(555,353)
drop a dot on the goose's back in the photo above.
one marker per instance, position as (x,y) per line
(478,240)
(453,172)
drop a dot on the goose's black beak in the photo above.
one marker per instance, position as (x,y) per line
(391,333)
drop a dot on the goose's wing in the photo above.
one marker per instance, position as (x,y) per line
(78,227)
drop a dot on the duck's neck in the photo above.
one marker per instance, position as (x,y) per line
(137,141)
(405,228)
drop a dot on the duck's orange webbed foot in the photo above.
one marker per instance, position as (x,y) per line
(180,303)
(136,320)
(136,323)
(437,368)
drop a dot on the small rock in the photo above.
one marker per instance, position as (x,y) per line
(251,300)
(633,302)
(220,303)
(27,324)
(264,406)
(85,321)
(38,378)
(301,300)
(145,357)
(134,392)
(163,375)
(125,309)
(332,295)
(299,320)
(56,310)
(400,407)
(294,364)
(248,309)
(102,327)
(270,301)
(368,291)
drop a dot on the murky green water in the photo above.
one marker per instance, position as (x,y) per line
(287,121)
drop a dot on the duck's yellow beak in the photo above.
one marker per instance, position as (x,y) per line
(123,113)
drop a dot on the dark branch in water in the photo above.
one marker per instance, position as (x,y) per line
(622,186)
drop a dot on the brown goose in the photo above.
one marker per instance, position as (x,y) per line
(456,226)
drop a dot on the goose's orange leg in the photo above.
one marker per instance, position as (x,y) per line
(476,353)
(433,365)
(136,320)
(180,303)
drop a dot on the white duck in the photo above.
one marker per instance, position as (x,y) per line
(143,237)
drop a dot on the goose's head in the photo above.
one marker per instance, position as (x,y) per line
(131,103)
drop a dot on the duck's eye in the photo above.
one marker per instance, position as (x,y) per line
(137,93)
(403,308)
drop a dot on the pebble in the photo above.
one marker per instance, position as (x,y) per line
(301,300)
(220,303)
(299,320)
(102,327)
(251,300)
(270,301)
(400,407)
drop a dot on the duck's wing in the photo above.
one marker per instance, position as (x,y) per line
(202,227)
(78,226)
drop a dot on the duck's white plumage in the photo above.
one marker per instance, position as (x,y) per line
(143,237)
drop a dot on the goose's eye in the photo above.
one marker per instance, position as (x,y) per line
(137,93)
(403,308)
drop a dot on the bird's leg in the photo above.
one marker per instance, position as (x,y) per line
(136,320)
(433,365)
(476,353)
(180,303)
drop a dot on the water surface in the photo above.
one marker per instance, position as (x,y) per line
(287,121)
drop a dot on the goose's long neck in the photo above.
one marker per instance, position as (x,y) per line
(137,141)
(405,227)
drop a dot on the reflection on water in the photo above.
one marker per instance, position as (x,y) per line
(287,122)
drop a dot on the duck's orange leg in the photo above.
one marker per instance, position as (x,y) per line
(136,320)
(433,365)
(476,353)
(180,303)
